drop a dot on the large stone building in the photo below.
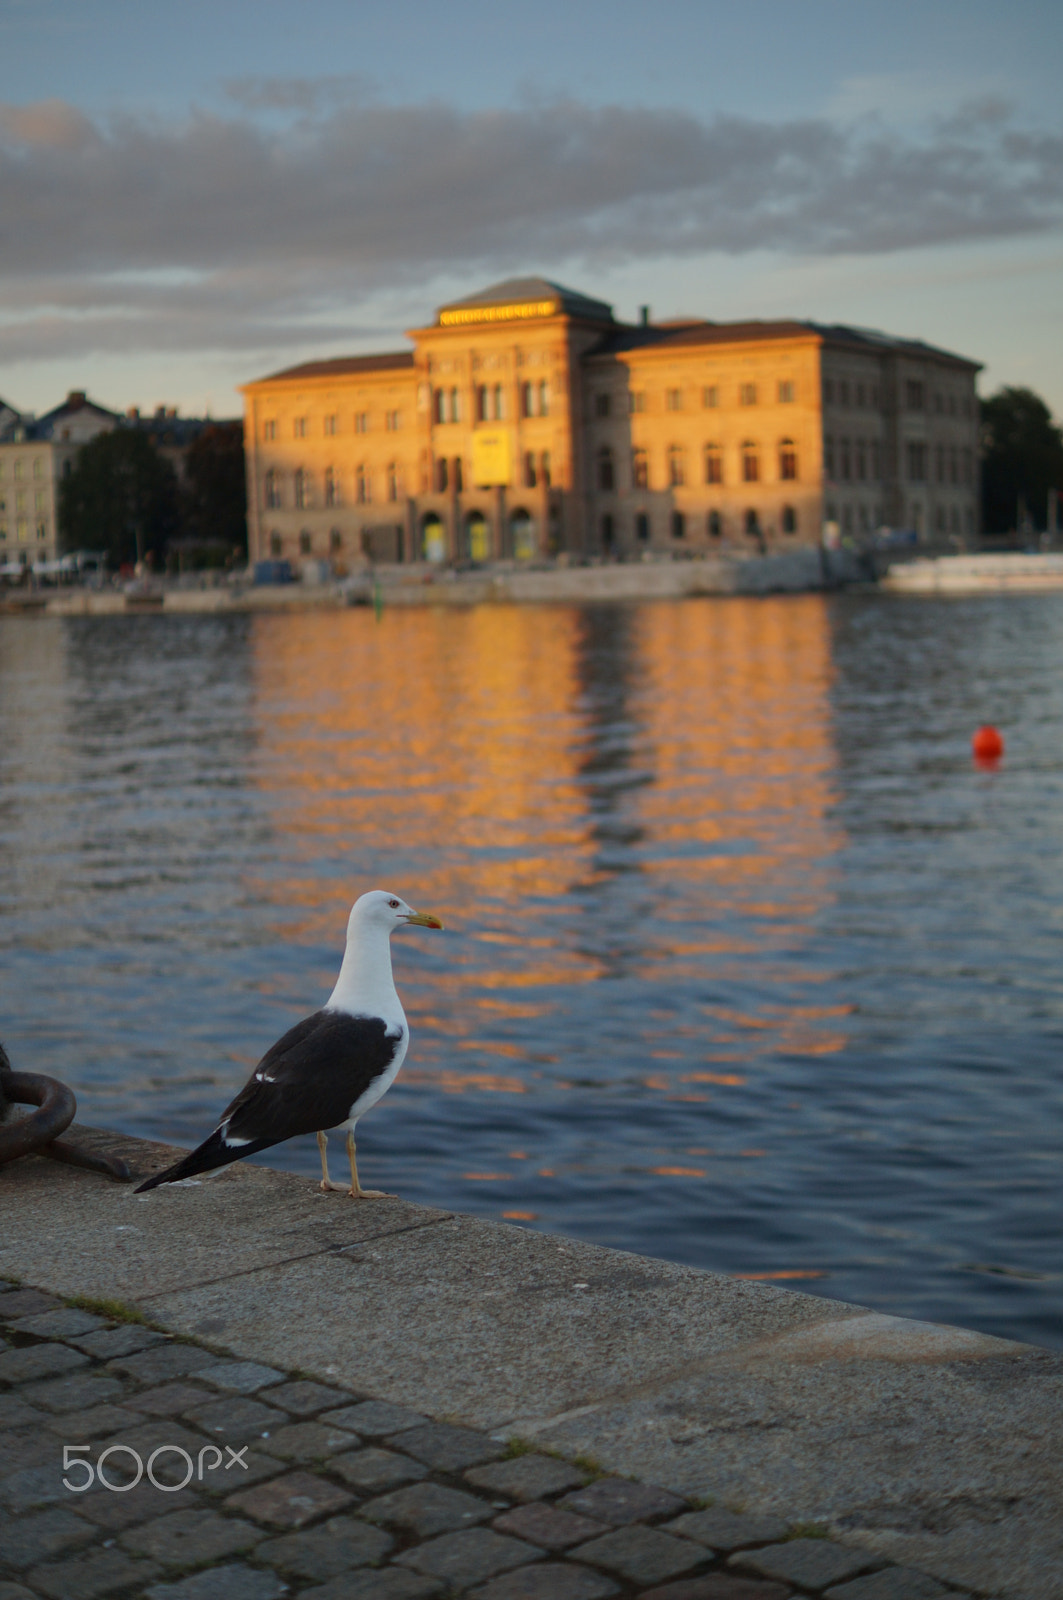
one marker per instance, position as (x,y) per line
(526,421)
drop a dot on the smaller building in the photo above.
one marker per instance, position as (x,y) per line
(35,453)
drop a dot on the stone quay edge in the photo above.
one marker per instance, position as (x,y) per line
(930,1446)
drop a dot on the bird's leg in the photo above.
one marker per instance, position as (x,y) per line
(356,1191)
(326,1181)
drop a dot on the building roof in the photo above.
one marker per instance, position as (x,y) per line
(9,420)
(516,291)
(341,366)
(666,336)
(76,403)
(872,339)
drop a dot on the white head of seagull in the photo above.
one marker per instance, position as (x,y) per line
(365,986)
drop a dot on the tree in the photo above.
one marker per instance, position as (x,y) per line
(120,496)
(216,495)
(1022,458)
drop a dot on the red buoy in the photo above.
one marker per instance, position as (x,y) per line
(987,745)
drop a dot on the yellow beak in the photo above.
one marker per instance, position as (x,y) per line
(423,919)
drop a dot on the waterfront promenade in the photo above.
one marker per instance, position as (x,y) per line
(753,1420)
(797,571)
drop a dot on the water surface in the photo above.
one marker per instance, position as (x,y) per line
(747,966)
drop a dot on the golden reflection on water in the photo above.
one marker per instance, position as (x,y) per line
(452,730)
(736,730)
(467,742)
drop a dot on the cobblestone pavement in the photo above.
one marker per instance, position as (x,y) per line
(210,1478)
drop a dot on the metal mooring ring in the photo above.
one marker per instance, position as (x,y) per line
(38,1133)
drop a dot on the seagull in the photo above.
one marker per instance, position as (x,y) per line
(328,1070)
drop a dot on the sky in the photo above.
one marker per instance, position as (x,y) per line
(194,195)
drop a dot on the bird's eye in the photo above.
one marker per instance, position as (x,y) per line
(394,904)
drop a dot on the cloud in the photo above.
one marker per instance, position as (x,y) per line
(46,122)
(297,94)
(268,223)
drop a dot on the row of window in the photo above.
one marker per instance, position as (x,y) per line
(18,468)
(864,519)
(680,526)
(303,487)
(491,402)
(852,460)
(860,460)
(40,500)
(839,391)
(306,542)
(749,465)
(952,465)
(916,396)
(331,425)
(22,531)
(676,399)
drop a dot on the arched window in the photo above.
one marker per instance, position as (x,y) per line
(481,402)
(276,543)
(608,533)
(679,525)
(787,460)
(433,538)
(713,464)
(531,476)
(273,490)
(332,488)
(715,525)
(752,524)
(642,528)
(750,462)
(606,476)
(455,405)
(677,472)
(306,543)
(302,488)
(527,399)
(544,468)
(522,534)
(335,541)
(363,485)
(459,476)
(477,538)
(439,406)
(499,406)
(640,470)
(442,476)
(544,399)
(393,480)
(789,519)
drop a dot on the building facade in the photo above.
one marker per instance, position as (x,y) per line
(525,422)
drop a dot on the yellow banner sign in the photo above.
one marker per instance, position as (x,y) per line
(490,457)
(519,313)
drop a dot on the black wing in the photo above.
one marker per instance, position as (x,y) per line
(307,1081)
